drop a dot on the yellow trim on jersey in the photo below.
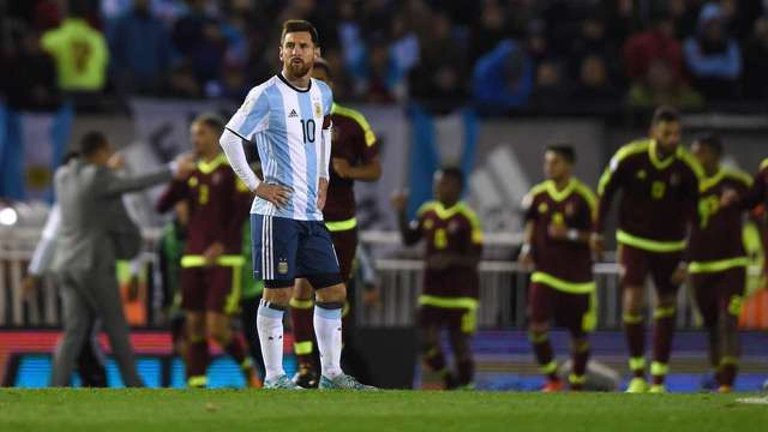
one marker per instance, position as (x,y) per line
(188,261)
(574,186)
(343,225)
(739,175)
(764,164)
(717,266)
(649,245)
(209,167)
(653,155)
(563,285)
(302,348)
(693,163)
(301,304)
(448,302)
(635,147)
(459,208)
(359,118)
(232,303)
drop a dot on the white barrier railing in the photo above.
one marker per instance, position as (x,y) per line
(503,286)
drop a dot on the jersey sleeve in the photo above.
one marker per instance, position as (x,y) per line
(610,182)
(253,115)
(529,210)
(366,144)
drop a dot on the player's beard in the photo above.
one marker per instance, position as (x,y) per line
(298,70)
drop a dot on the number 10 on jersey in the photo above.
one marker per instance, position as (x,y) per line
(308,130)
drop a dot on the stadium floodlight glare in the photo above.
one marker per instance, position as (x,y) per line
(8,216)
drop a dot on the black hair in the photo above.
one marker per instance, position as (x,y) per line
(712,142)
(212,121)
(92,142)
(323,64)
(665,113)
(295,26)
(565,151)
(455,173)
(68,156)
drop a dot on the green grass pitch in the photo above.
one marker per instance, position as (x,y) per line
(253,410)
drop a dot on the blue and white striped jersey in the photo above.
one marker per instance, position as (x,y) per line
(287,126)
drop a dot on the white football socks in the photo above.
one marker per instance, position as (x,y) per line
(269,323)
(328,332)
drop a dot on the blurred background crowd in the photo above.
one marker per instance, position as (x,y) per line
(541,56)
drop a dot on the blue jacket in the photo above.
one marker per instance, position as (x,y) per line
(140,46)
(724,65)
(490,81)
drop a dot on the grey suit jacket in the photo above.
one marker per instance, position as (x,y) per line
(95,226)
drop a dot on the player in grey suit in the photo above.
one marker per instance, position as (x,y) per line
(96,231)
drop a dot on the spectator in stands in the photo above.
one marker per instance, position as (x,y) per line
(199,38)
(489,30)
(379,84)
(656,44)
(182,82)
(503,78)
(31,83)
(441,74)
(552,91)
(712,56)
(141,50)
(594,88)
(756,62)
(662,87)
(79,51)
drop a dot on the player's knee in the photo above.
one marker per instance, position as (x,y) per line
(302,290)
(332,294)
(538,328)
(278,296)
(580,344)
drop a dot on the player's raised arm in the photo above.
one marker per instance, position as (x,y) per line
(409,230)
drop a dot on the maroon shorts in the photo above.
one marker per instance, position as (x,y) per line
(345,243)
(210,289)
(569,310)
(719,291)
(636,264)
(456,320)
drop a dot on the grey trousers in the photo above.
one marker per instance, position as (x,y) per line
(86,296)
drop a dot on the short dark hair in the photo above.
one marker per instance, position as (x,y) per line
(455,173)
(92,142)
(321,63)
(296,26)
(213,121)
(565,151)
(665,113)
(712,142)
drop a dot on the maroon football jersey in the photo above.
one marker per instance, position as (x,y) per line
(218,206)
(454,230)
(717,234)
(659,197)
(572,207)
(354,141)
(759,191)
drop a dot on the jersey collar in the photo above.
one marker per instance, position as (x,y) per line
(557,195)
(446,213)
(209,167)
(653,154)
(286,82)
(708,182)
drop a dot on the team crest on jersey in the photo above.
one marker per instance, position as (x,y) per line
(428,224)
(216,178)
(674,180)
(569,210)
(642,174)
(282,266)
(318,110)
(453,226)
(192,182)
(543,208)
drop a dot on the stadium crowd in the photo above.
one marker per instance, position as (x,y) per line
(548,54)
